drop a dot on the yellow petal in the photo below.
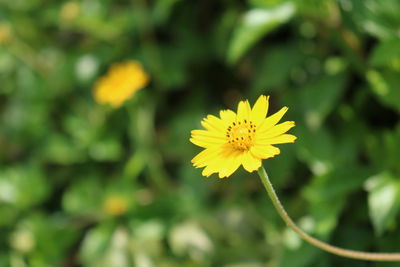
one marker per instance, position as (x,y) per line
(260,109)
(272,120)
(215,124)
(206,139)
(207,171)
(276,130)
(231,160)
(228,116)
(231,166)
(264,152)
(220,136)
(281,139)
(243,112)
(224,161)
(250,163)
(218,162)
(213,167)
(203,142)
(205,157)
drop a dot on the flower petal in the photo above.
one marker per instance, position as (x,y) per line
(223,160)
(231,165)
(260,109)
(243,112)
(276,130)
(215,124)
(264,152)
(228,116)
(270,121)
(281,139)
(205,157)
(205,139)
(209,134)
(213,167)
(203,142)
(207,171)
(250,163)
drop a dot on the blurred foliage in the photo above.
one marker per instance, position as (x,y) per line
(86,185)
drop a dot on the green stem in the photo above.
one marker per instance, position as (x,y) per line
(360,255)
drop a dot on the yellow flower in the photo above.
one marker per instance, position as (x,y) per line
(120,83)
(5,33)
(115,205)
(243,138)
(70,11)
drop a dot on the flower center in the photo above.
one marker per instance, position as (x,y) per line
(241,134)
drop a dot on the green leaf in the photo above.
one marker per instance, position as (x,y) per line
(163,10)
(386,53)
(385,87)
(83,197)
(23,187)
(301,257)
(107,149)
(327,196)
(316,148)
(44,238)
(316,8)
(335,184)
(8,214)
(96,242)
(254,25)
(378,18)
(275,67)
(61,150)
(265,3)
(320,97)
(383,200)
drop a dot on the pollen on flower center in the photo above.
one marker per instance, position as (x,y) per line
(240,134)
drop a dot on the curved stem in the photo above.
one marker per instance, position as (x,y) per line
(360,255)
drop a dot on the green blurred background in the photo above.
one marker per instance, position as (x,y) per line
(83,184)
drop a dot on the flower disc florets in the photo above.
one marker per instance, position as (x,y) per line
(241,134)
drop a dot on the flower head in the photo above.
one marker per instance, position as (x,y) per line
(120,83)
(243,138)
(70,11)
(5,33)
(115,205)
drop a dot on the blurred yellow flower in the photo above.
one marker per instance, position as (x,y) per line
(70,11)
(5,33)
(242,138)
(115,205)
(120,83)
